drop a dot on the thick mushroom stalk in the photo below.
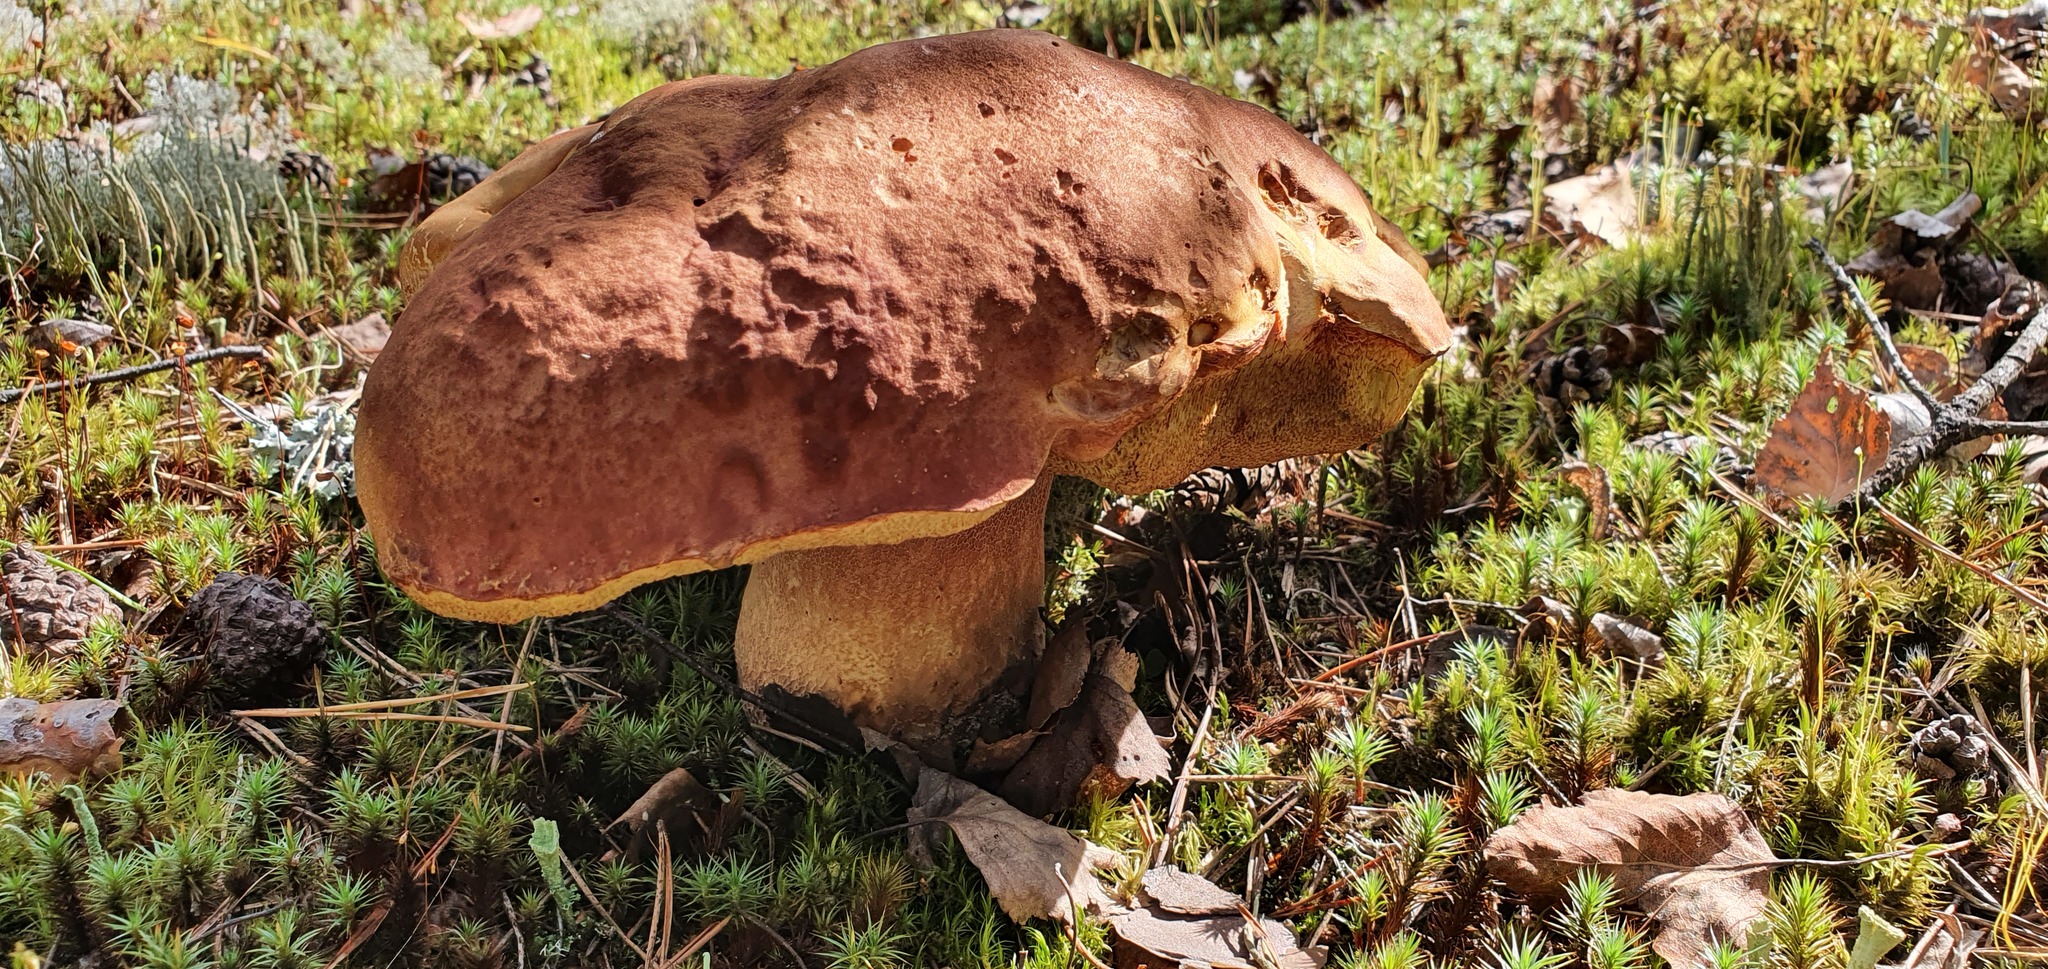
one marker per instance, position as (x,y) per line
(844,326)
(911,638)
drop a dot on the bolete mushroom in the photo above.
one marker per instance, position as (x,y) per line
(846,325)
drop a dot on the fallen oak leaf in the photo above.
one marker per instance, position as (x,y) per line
(1034,870)
(1695,864)
(67,740)
(1827,443)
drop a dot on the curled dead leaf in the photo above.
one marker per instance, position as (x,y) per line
(676,803)
(1591,481)
(1102,742)
(1827,444)
(67,740)
(1601,203)
(1695,864)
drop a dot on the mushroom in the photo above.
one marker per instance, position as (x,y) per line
(845,326)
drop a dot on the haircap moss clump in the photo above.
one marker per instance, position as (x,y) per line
(403,60)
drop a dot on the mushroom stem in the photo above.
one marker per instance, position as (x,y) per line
(910,639)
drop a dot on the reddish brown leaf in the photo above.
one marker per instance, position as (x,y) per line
(1829,441)
(1695,864)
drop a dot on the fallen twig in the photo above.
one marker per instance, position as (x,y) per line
(130,373)
(1954,421)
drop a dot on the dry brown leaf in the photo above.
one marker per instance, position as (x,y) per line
(1189,920)
(1625,637)
(1061,671)
(1033,869)
(500,28)
(1102,742)
(1695,864)
(1932,368)
(1829,441)
(1909,250)
(365,338)
(1601,203)
(1913,282)
(1147,936)
(1592,482)
(1556,110)
(66,740)
(2011,88)
(674,803)
(1182,893)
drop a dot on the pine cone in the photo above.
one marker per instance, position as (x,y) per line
(259,640)
(1578,375)
(536,74)
(52,607)
(1949,748)
(308,166)
(452,175)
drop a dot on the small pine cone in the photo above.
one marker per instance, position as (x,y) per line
(1950,748)
(259,640)
(1911,125)
(309,167)
(451,175)
(537,75)
(52,608)
(1578,375)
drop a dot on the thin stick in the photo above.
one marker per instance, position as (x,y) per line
(698,941)
(1883,334)
(377,715)
(480,691)
(1356,661)
(1989,575)
(130,373)
(1179,801)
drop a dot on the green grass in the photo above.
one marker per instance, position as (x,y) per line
(214,847)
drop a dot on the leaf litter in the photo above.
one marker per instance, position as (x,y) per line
(1695,864)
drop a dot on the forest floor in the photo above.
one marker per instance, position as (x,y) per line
(1603,562)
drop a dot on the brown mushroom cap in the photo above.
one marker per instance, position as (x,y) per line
(862,304)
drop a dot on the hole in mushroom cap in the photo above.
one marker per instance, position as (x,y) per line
(901,144)
(697,201)
(1203,331)
(986,110)
(1005,157)
(1067,182)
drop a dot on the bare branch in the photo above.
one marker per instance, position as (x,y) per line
(1883,333)
(130,373)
